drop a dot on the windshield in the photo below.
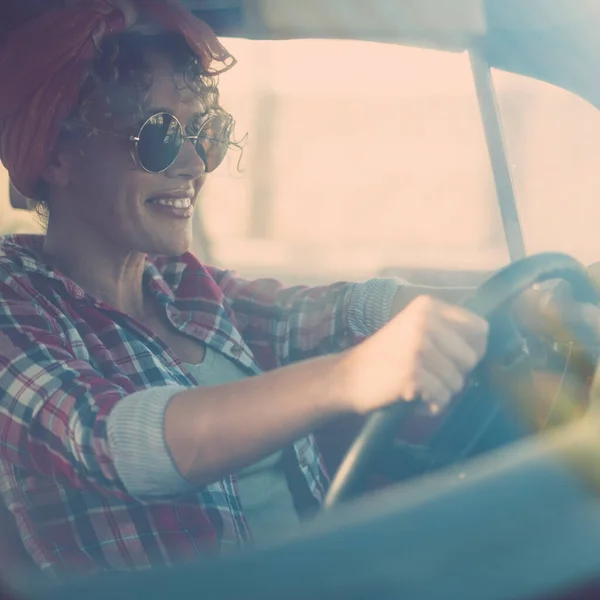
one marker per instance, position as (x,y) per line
(348,171)
(363,158)
(381,162)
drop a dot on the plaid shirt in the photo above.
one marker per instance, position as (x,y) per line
(66,359)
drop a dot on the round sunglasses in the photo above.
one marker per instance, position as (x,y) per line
(162,135)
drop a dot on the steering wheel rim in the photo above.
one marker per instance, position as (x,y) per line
(490,297)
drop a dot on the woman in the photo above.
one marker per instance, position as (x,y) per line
(155,409)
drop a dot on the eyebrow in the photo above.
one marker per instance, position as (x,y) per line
(155,110)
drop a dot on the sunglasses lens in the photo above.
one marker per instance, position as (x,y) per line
(160,140)
(213,141)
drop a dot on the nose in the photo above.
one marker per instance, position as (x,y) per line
(188,163)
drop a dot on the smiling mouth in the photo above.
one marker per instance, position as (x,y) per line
(173,202)
(179,208)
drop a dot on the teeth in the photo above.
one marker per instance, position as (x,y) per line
(176,203)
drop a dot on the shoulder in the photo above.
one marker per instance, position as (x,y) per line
(32,294)
(27,316)
(21,270)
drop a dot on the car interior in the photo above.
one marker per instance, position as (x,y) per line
(499,497)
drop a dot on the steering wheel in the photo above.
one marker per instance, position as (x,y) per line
(490,301)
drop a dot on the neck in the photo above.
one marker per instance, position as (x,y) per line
(108,273)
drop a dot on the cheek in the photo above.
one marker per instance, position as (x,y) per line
(109,190)
(103,161)
(100,174)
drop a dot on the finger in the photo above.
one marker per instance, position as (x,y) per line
(428,410)
(464,354)
(471,329)
(440,363)
(432,391)
(467,323)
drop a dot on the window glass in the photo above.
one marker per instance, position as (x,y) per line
(360,156)
(552,139)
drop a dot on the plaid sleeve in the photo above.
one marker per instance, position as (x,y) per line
(300,321)
(53,406)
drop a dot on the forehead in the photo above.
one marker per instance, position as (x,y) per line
(170,91)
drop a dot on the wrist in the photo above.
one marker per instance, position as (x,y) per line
(341,374)
(356,390)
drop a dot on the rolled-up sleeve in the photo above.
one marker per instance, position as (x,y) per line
(136,436)
(370,305)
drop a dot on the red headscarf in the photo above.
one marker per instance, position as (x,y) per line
(43,63)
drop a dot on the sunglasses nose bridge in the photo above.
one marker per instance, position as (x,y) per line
(191,155)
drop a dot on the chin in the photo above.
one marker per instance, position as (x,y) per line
(177,250)
(172,247)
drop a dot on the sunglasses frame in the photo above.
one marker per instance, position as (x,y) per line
(190,138)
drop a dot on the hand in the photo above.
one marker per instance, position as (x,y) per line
(426,351)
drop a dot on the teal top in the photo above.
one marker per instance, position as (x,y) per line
(263,489)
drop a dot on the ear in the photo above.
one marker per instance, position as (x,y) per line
(58,169)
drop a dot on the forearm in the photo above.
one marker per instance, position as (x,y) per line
(213,432)
(170,440)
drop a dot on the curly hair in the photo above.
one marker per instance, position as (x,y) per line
(124,77)
(121,78)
